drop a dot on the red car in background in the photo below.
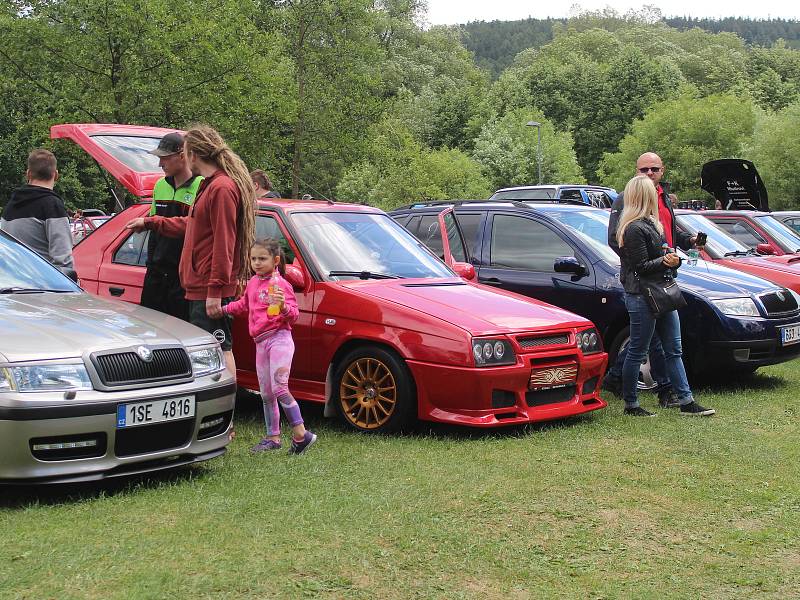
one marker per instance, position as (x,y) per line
(80,227)
(387,331)
(724,249)
(757,230)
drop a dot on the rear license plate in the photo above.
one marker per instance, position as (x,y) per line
(546,378)
(790,335)
(155,411)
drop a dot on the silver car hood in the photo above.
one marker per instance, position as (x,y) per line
(45,326)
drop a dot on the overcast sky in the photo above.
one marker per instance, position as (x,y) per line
(449,12)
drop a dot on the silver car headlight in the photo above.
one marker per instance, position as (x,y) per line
(207,361)
(45,378)
(492,352)
(737,307)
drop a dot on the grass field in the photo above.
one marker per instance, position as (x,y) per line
(596,507)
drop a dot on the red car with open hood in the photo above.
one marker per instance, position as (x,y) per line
(387,331)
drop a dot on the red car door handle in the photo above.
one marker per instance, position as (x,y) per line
(115,291)
(491,281)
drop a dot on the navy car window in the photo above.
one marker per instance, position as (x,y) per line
(430,234)
(267,228)
(133,250)
(525,244)
(469,223)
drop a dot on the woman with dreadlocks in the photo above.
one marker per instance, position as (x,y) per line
(218,231)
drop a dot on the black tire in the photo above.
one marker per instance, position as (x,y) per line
(379,393)
(645,379)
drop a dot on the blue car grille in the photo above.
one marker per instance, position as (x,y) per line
(778,304)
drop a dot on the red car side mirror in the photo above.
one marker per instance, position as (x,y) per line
(296,277)
(765,249)
(464,270)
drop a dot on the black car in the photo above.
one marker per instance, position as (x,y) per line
(558,253)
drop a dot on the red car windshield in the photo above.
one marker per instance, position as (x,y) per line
(719,243)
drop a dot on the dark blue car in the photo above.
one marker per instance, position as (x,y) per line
(558,253)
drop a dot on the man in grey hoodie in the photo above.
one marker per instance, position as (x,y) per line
(35,214)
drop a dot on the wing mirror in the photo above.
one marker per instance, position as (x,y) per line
(464,270)
(296,277)
(765,249)
(569,264)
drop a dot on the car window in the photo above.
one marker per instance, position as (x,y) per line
(571,195)
(267,228)
(526,194)
(469,223)
(133,250)
(794,224)
(429,233)
(526,244)
(742,232)
(132,151)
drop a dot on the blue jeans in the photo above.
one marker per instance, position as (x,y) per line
(658,367)
(643,326)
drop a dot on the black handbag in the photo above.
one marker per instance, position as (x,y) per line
(662,294)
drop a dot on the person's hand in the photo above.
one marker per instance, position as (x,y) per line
(214,308)
(693,240)
(277,296)
(672,260)
(136,224)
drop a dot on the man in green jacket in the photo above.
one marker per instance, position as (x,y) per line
(173,196)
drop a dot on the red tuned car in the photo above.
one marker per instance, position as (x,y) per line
(387,331)
(724,249)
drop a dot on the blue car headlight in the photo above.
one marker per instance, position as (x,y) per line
(492,352)
(737,307)
(588,341)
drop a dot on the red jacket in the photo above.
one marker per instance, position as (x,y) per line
(209,261)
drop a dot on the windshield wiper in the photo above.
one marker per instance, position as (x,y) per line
(736,253)
(363,275)
(22,290)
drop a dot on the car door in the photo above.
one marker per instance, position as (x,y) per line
(519,254)
(122,269)
(268,225)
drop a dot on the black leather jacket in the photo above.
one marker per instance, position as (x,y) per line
(642,255)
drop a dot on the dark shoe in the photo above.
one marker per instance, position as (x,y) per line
(300,447)
(668,399)
(638,412)
(266,444)
(612,384)
(693,409)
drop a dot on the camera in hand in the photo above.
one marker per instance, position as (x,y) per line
(701,238)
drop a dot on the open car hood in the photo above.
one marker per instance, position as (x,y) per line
(121,150)
(736,183)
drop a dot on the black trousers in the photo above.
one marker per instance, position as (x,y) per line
(162,291)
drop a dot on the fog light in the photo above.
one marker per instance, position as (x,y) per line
(212,423)
(66,445)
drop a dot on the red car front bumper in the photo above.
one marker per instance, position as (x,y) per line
(498,396)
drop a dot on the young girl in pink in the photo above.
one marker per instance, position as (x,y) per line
(274,344)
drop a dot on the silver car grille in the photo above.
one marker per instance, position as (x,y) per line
(126,368)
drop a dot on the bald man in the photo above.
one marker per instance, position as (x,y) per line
(650,165)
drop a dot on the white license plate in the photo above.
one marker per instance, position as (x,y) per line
(155,411)
(790,335)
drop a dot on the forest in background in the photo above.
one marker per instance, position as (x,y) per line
(356,100)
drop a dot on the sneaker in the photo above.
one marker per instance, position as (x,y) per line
(638,412)
(668,399)
(693,409)
(612,384)
(300,447)
(266,444)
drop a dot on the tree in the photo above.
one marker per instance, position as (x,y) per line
(400,170)
(776,146)
(507,151)
(685,132)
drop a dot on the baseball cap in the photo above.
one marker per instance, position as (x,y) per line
(172,143)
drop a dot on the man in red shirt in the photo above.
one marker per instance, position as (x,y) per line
(650,165)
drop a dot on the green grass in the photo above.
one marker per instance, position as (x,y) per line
(597,507)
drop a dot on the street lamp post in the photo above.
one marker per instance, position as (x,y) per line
(538,146)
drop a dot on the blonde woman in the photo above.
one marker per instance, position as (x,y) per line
(640,236)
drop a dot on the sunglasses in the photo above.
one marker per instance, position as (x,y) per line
(649,169)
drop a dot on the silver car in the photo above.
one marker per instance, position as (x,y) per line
(93,388)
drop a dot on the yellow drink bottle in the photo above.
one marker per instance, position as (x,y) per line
(274,307)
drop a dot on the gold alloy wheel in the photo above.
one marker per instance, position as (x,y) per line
(368,393)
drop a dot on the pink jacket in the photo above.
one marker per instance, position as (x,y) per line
(255,301)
